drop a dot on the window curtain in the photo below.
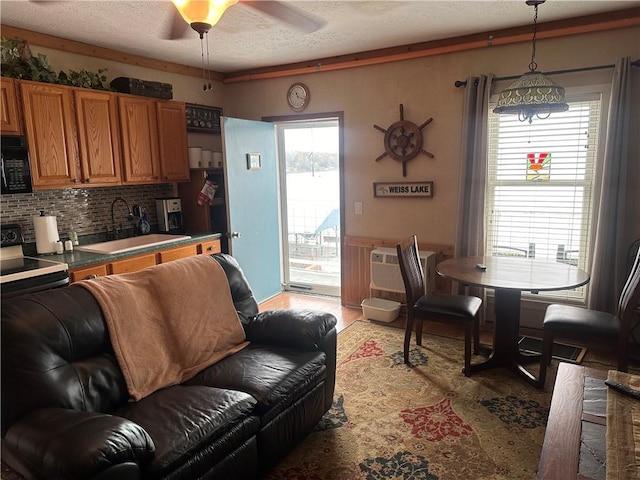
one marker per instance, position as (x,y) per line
(618,198)
(473,175)
(473,169)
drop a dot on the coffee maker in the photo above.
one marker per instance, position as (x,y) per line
(170,219)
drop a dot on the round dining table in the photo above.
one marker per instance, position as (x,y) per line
(509,277)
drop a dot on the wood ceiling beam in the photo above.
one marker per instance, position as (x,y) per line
(560,28)
(71,46)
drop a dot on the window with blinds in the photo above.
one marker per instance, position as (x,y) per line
(540,186)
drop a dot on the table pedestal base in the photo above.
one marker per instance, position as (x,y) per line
(505,353)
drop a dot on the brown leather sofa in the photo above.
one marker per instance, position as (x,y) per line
(65,409)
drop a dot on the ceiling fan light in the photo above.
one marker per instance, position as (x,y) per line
(202,11)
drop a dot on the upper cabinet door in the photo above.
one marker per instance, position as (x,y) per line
(50,128)
(172,137)
(98,137)
(139,130)
(10,120)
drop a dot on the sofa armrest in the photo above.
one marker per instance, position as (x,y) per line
(303,329)
(63,443)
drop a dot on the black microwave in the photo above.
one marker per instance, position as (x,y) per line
(16,171)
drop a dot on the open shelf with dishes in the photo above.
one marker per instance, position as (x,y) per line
(212,216)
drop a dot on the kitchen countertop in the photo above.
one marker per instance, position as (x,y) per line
(76,259)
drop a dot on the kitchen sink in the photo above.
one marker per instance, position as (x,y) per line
(129,244)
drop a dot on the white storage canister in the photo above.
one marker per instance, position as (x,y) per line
(195,157)
(207,158)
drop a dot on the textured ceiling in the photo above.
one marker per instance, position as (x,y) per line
(246,38)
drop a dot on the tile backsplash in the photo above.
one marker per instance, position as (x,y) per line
(82,210)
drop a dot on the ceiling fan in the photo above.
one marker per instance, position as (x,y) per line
(201,15)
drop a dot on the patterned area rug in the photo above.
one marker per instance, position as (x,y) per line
(429,421)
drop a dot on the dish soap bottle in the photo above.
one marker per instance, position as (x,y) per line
(145,227)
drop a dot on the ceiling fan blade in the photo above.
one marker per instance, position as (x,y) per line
(177,27)
(286,14)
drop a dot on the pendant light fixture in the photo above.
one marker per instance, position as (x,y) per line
(533,94)
(201,15)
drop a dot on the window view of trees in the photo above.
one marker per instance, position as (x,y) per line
(313,206)
(306,161)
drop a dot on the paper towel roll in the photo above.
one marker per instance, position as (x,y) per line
(46,228)
(195,157)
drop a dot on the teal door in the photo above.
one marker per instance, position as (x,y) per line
(251,173)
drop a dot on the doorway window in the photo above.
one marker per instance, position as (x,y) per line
(310,182)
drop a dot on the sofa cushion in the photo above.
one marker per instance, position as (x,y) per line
(274,376)
(181,420)
(56,353)
(241,292)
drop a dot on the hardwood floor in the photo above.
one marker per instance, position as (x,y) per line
(347,315)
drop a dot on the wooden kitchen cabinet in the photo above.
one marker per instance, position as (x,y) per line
(139,129)
(10,121)
(84,137)
(138,262)
(87,272)
(73,136)
(177,253)
(98,137)
(209,248)
(50,127)
(172,141)
(154,140)
(132,264)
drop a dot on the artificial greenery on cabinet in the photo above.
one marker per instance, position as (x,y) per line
(18,62)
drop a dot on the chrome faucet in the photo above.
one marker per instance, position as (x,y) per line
(129,216)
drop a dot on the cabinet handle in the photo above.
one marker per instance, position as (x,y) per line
(88,180)
(91,277)
(209,248)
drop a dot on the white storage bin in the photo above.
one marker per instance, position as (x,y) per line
(380,310)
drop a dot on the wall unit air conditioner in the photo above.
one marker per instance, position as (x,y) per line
(385,270)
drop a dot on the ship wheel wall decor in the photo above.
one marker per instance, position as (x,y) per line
(403,140)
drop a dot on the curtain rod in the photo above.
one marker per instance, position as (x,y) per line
(635,63)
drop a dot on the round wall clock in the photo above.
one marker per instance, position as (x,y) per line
(298,96)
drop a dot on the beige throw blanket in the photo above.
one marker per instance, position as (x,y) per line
(168,322)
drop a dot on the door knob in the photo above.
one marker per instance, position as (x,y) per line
(234,235)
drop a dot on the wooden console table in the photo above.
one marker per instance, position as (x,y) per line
(575,440)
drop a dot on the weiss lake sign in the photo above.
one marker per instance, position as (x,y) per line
(403,189)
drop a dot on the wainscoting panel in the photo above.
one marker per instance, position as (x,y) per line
(356,276)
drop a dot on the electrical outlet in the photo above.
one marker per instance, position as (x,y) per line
(358,208)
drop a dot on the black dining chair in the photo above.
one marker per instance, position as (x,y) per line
(593,326)
(421,306)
